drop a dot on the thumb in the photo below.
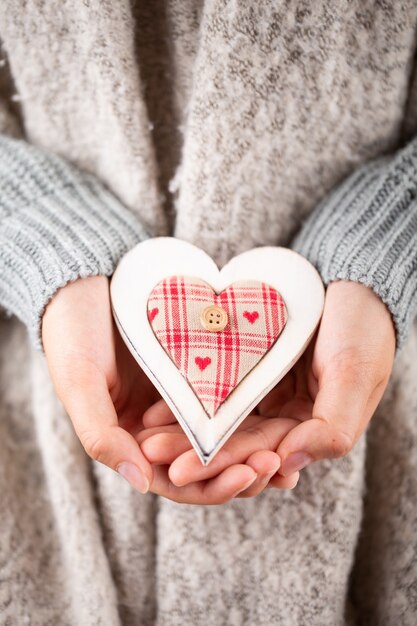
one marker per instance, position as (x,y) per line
(95,421)
(340,413)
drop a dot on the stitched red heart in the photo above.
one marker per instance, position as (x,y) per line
(251,316)
(232,352)
(202,363)
(153,313)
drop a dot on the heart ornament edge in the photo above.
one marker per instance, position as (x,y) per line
(153,260)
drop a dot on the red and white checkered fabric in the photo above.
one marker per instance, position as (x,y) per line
(215,362)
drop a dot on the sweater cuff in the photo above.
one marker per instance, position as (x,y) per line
(366,231)
(57,224)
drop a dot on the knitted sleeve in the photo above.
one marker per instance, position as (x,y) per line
(366,231)
(57,224)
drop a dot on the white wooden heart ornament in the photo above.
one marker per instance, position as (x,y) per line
(214,342)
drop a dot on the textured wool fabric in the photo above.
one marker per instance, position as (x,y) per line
(57,224)
(366,231)
(214,362)
(225,124)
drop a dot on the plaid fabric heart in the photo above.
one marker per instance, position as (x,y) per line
(215,362)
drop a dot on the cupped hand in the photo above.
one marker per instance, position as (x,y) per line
(343,382)
(319,409)
(102,388)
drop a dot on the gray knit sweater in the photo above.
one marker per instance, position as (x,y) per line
(58,223)
(230,124)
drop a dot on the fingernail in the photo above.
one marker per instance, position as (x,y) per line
(295,483)
(134,476)
(294,463)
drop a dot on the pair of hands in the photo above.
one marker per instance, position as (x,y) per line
(318,410)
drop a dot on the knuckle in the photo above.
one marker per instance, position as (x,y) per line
(94,444)
(261,437)
(225,458)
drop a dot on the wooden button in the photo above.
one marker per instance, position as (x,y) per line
(213,318)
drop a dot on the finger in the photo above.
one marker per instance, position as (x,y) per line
(164,448)
(265,463)
(283,482)
(94,418)
(165,443)
(218,490)
(266,435)
(159,414)
(340,414)
(147,433)
(269,478)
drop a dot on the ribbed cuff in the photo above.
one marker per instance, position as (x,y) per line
(366,231)
(57,224)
